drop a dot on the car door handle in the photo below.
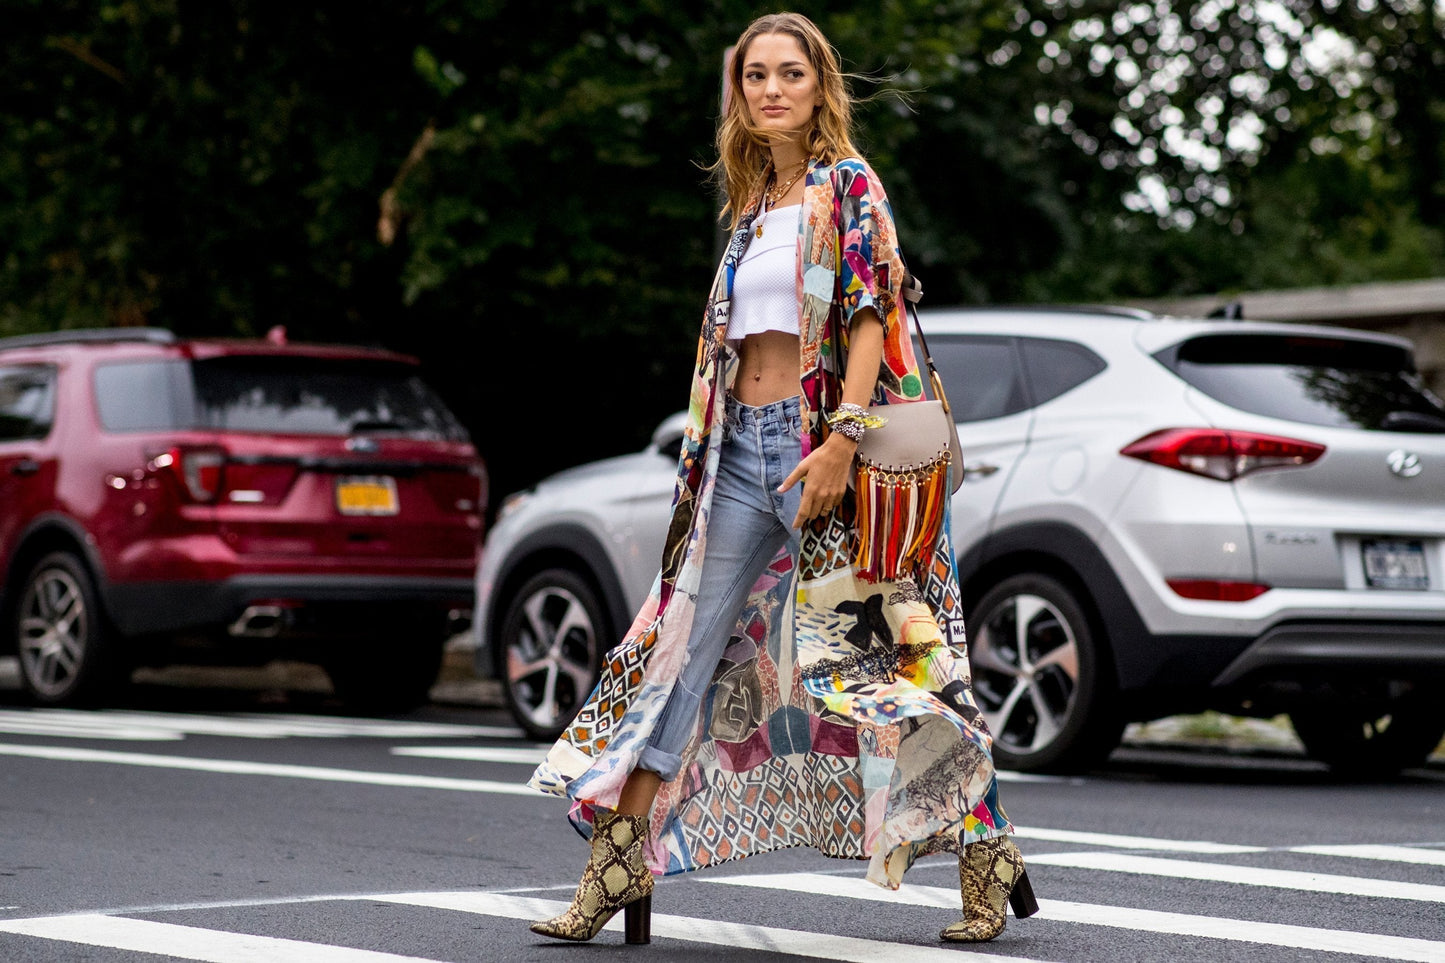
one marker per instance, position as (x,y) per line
(25,466)
(981,469)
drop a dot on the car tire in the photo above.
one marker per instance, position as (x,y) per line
(1361,743)
(1041,677)
(550,648)
(385,676)
(67,651)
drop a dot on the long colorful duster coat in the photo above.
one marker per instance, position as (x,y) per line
(841,715)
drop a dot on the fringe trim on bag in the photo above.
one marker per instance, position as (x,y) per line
(900,516)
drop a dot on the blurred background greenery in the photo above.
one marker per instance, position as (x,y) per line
(513,190)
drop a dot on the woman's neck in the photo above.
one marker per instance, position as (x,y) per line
(787,156)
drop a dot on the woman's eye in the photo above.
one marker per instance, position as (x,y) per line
(753,75)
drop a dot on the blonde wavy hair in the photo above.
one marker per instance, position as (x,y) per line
(744,162)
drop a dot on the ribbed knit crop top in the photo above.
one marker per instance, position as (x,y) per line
(765,287)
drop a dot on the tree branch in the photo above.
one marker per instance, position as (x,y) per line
(390,219)
(86,56)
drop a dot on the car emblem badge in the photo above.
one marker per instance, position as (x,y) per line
(361,444)
(1404,463)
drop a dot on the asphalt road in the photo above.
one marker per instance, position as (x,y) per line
(255,824)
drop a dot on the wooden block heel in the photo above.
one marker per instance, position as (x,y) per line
(1021,898)
(637,920)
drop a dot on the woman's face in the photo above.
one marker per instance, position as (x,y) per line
(779,85)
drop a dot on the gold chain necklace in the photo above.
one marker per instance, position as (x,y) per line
(771,198)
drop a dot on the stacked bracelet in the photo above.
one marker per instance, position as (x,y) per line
(850,420)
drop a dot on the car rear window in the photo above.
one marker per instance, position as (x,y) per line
(1338,382)
(266,393)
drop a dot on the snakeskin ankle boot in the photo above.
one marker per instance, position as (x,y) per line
(616,878)
(990,873)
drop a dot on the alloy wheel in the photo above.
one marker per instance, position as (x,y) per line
(551,656)
(54,630)
(1025,659)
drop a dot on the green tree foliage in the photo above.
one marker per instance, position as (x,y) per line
(516,191)
(1271,145)
(207,167)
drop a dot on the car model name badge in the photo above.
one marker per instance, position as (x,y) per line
(1290,538)
(1404,463)
(361,444)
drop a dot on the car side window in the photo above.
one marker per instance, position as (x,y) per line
(1055,367)
(980,374)
(27,401)
(143,395)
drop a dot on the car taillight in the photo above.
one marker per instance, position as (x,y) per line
(1216,590)
(199,468)
(1224,455)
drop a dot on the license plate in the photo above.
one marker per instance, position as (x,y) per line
(1395,565)
(369,495)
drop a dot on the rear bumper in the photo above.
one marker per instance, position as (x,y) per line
(1408,648)
(319,603)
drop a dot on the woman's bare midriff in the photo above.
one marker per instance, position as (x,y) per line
(767,368)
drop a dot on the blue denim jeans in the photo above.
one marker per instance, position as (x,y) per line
(748,523)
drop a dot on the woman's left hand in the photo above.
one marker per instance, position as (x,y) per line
(827,470)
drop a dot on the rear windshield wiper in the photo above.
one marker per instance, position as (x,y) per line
(357,427)
(1413,421)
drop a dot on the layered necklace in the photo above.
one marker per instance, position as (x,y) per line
(779,191)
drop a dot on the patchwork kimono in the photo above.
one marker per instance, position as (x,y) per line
(841,715)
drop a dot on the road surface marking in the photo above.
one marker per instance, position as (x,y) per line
(1153,921)
(745,936)
(530,757)
(190,942)
(153,726)
(1133,842)
(242,768)
(50,726)
(1394,854)
(1245,875)
(1136,864)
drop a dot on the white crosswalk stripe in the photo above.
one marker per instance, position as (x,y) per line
(770,939)
(1182,924)
(1244,875)
(1393,854)
(119,725)
(190,942)
(240,767)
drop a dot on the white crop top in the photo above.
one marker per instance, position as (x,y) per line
(765,287)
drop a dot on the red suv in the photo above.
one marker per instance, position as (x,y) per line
(167,501)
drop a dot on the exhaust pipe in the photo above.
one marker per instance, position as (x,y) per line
(259,622)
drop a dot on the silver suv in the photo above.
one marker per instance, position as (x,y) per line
(1159,516)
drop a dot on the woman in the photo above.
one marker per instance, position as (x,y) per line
(767,695)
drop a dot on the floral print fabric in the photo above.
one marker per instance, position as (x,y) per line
(841,715)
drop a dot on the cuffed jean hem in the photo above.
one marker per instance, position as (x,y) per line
(666,764)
